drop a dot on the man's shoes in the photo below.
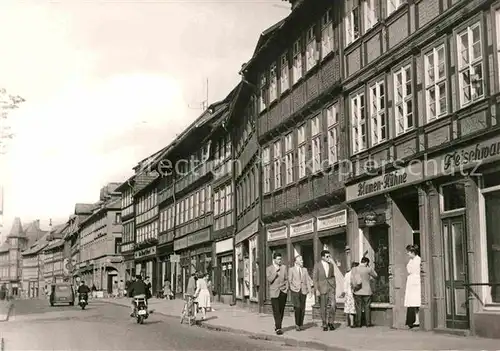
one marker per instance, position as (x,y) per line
(132,314)
(325,328)
(331,327)
(297,328)
(279,332)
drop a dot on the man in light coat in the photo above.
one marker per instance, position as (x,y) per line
(300,286)
(325,286)
(277,277)
(363,296)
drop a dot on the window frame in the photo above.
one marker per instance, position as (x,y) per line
(351,22)
(435,83)
(405,100)
(327,34)
(266,162)
(297,65)
(273,84)
(370,14)
(358,138)
(277,164)
(311,48)
(380,115)
(332,125)
(284,74)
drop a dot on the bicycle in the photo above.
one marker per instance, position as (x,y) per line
(188,310)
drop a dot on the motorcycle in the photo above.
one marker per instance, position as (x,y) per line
(141,308)
(83,300)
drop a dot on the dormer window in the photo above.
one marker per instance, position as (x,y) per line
(311,49)
(273,83)
(262,99)
(284,79)
(297,62)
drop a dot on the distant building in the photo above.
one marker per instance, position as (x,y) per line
(10,254)
(53,257)
(32,268)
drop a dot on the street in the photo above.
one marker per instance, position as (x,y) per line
(34,325)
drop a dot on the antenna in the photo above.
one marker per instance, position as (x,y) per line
(203,105)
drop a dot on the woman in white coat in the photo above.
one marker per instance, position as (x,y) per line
(413,288)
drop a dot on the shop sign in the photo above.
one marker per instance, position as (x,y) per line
(413,173)
(302,228)
(463,158)
(247,232)
(198,238)
(224,246)
(150,251)
(277,233)
(180,243)
(174,258)
(332,220)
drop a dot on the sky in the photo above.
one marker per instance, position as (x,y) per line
(108,83)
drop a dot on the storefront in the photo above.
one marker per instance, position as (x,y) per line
(246,266)
(146,265)
(129,262)
(164,269)
(224,271)
(195,251)
(448,205)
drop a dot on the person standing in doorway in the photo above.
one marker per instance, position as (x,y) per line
(413,288)
(325,286)
(278,287)
(300,285)
(363,293)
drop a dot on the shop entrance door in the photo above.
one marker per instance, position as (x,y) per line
(455,256)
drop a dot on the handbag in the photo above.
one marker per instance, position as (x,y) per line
(356,282)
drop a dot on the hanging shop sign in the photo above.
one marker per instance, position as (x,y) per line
(150,251)
(277,233)
(302,228)
(332,220)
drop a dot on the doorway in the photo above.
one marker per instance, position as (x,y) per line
(456,272)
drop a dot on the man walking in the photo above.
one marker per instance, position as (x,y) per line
(278,287)
(363,294)
(325,285)
(300,285)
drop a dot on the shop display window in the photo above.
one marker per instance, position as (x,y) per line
(376,248)
(336,244)
(247,269)
(492,214)
(226,276)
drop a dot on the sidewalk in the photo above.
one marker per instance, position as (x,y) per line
(5,307)
(241,321)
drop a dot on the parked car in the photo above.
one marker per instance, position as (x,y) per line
(62,293)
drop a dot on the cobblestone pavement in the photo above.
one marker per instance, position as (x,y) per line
(34,325)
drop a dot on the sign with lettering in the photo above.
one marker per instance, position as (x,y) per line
(150,251)
(247,232)
(332,220)
(463,158)
(199,237)
(180,243)
(302,228)
(277,233)
(174,258)
(413,173)
(224,246)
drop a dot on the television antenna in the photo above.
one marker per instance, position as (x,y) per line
(203,105)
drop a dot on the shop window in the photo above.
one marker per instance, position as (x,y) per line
(254,268)
(226,278)
(492,213)
(336,244)
(376,248)
(453,196)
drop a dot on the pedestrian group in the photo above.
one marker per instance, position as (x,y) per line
(357,290)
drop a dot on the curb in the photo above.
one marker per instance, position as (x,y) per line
(6,316)
(288,341)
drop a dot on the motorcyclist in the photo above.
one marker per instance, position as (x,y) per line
(83,291)
(137,288)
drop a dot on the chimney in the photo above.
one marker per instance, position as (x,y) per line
(36,224)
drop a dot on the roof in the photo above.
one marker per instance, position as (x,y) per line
(83,209)
(112,204)
(17,229)
(33,232)
(38,246)
(5,247)
(54,244)
(128,183)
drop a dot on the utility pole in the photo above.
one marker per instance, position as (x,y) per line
(7,104)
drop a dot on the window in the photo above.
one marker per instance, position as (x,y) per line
(289,158)
(208,198)
(403,100)
(297,62)
(226,278)
(284,82)
(358,121)
(393,5)
(453,197)
(371,16)
(277,164)
(470,65)
(352,21)
(435,83)
(273,85)
(377,113)
(326,34)
(316,144)
(222,201)
(266,158)
(216,203)
(229,197)
(333,132)
(301,142)
(196,204)
(262,99)
(191,207)
(310,49)
(492,215)
(202,202)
